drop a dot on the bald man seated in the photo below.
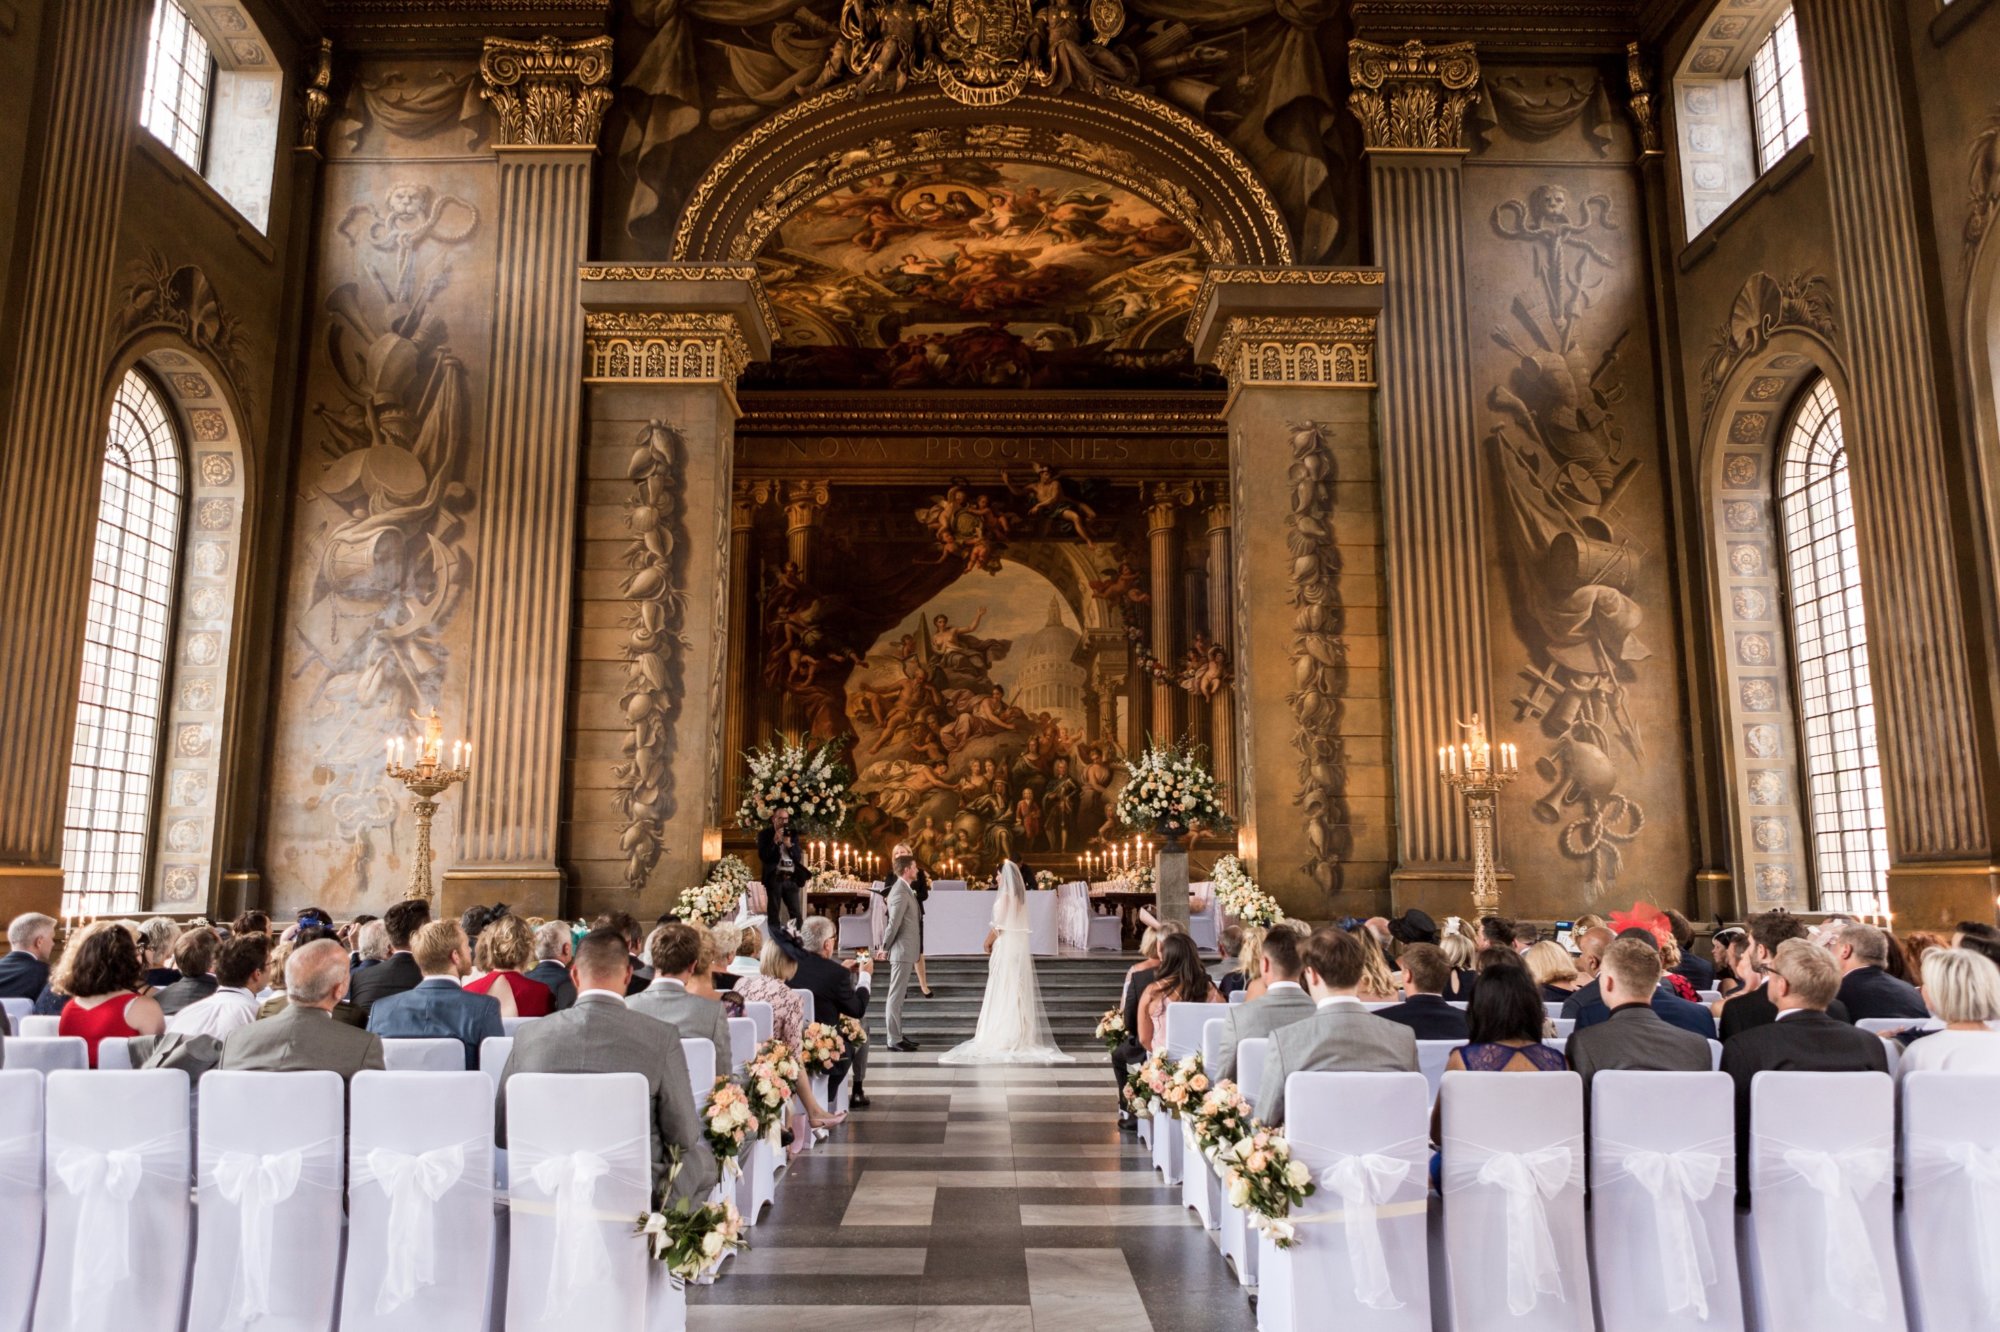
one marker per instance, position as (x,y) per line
(302,1036)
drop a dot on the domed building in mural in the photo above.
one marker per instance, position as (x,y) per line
(1050,678)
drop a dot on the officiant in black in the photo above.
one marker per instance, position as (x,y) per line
(784,869)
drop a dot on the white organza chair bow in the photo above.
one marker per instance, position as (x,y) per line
(1234,1233)
(1204,915)
(1361,1252)
(1821,1250)
(493,1054)
(1662,1212)
(20,1193)
(580,1170)
(1200,1189)
(1950,1222)
(116,1161)
(48,1054)
(267,1249)
(1184,1023)
(420,1231)
(1515,1252)
(423,1054)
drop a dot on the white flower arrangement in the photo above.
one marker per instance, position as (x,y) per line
(1241,898)
(810,782)
(1137,878)
(1171,791)
(1047,881)
(716,900)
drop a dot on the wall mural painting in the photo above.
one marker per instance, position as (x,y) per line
(974,275)
(1563,467)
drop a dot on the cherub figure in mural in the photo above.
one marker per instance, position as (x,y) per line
(990,530)
(1564,255)
(1053,499)
(941,516)
(1206,671)
(1070,59)
(1119,586)
(890,38)
(1078,216)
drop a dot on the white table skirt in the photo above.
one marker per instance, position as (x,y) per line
(956,921)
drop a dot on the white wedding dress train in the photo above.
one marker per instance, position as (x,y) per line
(1012,1028)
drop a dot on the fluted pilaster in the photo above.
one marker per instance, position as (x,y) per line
(1221,622)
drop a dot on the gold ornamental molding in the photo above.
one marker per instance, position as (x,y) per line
(653,346)
(1645,113)
(1336,351)
(548,93)
(1294,277)
(1412,97)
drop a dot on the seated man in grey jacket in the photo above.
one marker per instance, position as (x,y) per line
(599,1034)
(1342,1036)
(302,1036)
(676,956)
(1283,1002)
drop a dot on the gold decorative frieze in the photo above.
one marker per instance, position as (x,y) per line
(1295,277)
(624,346)
(1645,115)
(1332,350)
(547,93)
(1412,96)
(697,272)
(317,99)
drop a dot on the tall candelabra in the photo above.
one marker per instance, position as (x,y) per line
(427,779)
(1479,772)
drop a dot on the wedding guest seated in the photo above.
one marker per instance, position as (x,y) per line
(749,948)
(552,957)
(676,955)
(100,973)
(1178,979)
(1591,941)
(371,945)
(475,920)
(599,1034)
(724,941)
(1974,929)
(302,1036)
(1228,945)
(1283,1002)
(1916,944)
(1138,977)
(400,971)
(1459,951)
(349,933)
(1526,936)
(503,953)
(772,985)
(701,980)
(1697,970)
(1504,1024)
(1341,1036)
(1554,971)
(24,971)
(440,1006)
(1669,1005)
(239,974)
(1730,947)
(840,988)
(1962,988)
(628,929)
(194,960)
(1753,1006)
(1248,978)
(1379,984)
(1149,957)
(156,951)
(1866,987)
(1425,1010)
(252,922)
(1495,932)
(1634,1036)
(1671,980)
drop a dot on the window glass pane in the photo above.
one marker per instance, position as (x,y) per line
(114,753)
(1850,841)
(1778,93)
(178,72)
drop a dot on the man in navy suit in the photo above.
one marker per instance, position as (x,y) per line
(439,1006)
(1866,988)
(24,971)
(1426,971)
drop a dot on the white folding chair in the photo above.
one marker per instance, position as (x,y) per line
(1514,1247)
(1431,1057)
(1662,1208)
(114,1054)
(423,1054)
(699,1051)
(116,1160)
(856,931)
(1708,996)
(1821,1247)
(421,1229)
(1884,1026)
(38,1024)
(1951,1196)
(580,1169)
(20,1193)
(1106,935)
(759,1012)
(1184,1023)
(50,1054)
(493,1054)
(1200,1189)
(1235,1237)
(742,1042)
(510,1025)
(16,1009)
(1564,1026)
(1361,1256)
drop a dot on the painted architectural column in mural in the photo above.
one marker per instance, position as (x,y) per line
(1935,732)
(1163,545)
(805,503)
(549,99)
(1298,347)
(1221,636)
(744,500)
(55,439)
(1411,101)
(663,346)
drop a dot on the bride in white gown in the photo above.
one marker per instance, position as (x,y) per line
(1012,1027)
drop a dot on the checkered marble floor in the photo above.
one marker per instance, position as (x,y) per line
(977,1200)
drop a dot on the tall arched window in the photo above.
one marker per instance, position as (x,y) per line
(115,756)
(1846,828)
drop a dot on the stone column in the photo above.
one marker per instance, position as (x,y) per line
(1934,725)
(737,700)
(1411,101)
(1163,542)
(549,97)
(1298,347)
(1221,619)
(805,502)
(54,437)
(663,345)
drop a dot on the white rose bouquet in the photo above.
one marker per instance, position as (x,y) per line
(1046,881)
(1241,898)
(1259,1175)
(707,903)
(1186,1084)
(821,1048)
(1171,791)
(1146,1084)
(1111,1028)
(729,1123)
(811,782)
(853,1031)
(770,1080)
(1220,1118)
(691,1238)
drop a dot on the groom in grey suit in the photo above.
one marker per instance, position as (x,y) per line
(899,938)
(1342,1036)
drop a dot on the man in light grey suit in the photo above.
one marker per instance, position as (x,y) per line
(599,1034)
(675,956)
(1283,1002)
(302,1036)
(1343,1036)
(1635,1036)
(899,938)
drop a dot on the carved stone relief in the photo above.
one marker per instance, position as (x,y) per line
(1319,653)
(1982,185)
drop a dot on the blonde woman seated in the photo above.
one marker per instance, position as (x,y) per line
(1460,952)
(1249,973)
(1553,969)
(1962,988)
(749,947)
(771,985)
(1378,982)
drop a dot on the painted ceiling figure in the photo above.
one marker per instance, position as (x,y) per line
(1053,500)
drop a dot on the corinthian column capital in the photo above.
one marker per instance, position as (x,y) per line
(1412,96)
(548,93)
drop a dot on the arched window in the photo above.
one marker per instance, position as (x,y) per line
(115,755)
(1836,711)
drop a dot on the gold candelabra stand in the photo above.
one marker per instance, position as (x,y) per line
(428,778)
(1479,772)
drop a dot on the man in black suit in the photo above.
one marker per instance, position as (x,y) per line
(1862,951)
(24,971)
(552,955)
(627,926)
(837,992)
(194,958)
(1801,979)
(1697,970)
(1754,1008)
(784,868)
(1587,1007)
(1635,1036)
(400,972)
(1590,946)
(1426,971)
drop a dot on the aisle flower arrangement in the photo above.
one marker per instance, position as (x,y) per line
(1111,1028)
(729,1123)
(1241,899)
(811,782)
(1259,1175)
(770,1080)
(1145,1084)
(820,1048)
(691,1238)
(1186,1083)
(1171,791)
(716,900)
(853,1031)
(1046,881)
(1222,1117)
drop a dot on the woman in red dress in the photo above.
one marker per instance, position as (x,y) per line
(506,951)
(101,973)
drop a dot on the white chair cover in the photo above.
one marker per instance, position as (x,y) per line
(1106,934)
(1714,1054)
(810,1012)
(1950,1231)
(1361,1256)
(510,1025)
(856,930)
(580,1170)
(493,1054)
(699,1051)
(1662,1214)
(1513,1201)
(420,1233)
(50,1054)
(758,1185)
(1564,1026)
(759,1012)
(1201,1188)
(1708,996)
(114,1054)
(423,1054)
(1204,915)
(1554,1010)
(116,1159)
(742,1042)
(1236,1238)
(267,1252)
(1239,997)
(1823,1251)
(20,1194)
(1431,1057)
(1881,1026)
(1184,1023)
(38,1024)
(16,1009)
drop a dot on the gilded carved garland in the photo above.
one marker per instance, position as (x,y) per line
(1318,652)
